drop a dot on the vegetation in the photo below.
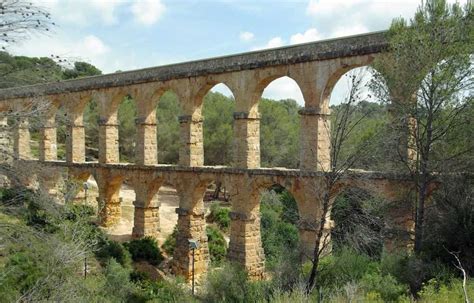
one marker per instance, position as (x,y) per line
(145,249)
(278,223)
(217,244)
(54,252)
(428,77)
(220,216)
(170,242)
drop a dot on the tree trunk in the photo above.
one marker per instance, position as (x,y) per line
(317,252)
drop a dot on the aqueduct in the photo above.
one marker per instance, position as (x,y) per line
(315,67)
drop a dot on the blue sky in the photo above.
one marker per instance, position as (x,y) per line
(124,34)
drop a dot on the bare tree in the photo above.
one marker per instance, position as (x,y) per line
(20,19)
(345,123)
(459,266)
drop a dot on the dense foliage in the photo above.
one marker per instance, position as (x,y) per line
(145,249)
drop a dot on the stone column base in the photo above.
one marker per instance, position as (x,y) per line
(191,225)
(245,245)
(146,222)
(110,213)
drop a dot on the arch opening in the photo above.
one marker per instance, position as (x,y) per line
(279,218)
(61,120)
(35,124)
(122,229)
(91,128)
(126,116)
(218,108)
(358,121)
(217,208)
(168,112)
(280,123)
(168,199)
(88,193)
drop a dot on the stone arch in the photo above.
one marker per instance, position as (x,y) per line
(265,78)
(146,214)
(245,245)
(108,101)
(336,74)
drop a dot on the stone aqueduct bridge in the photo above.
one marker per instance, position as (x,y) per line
(315,67)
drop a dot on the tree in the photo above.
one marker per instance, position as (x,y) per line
(21,70)
(345,123)
(217,112)
(279,129)
(81,69)
(428,71)
(20,20)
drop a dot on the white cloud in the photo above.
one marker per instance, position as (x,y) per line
(246,36)
(147,12)
(89,48)
(83,12)
(272,43)
(317,7)
(88,12)
(275,42)
(335,18)
(92,45)
(283,88)
(343,31)
(310,35)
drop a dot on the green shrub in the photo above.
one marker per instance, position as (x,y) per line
(109,249)
(387,286)
(414,270)
(435,292)
(278,236)
(298,294)
(343,267)
(77,211)
(23,271)
(290,208)
(217,244)
(145,249)
(139,276)
(118,285)
(358,223)
(170,242)
(40,218)
(230,284)
(450,222)
(166,291)
(220,216)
